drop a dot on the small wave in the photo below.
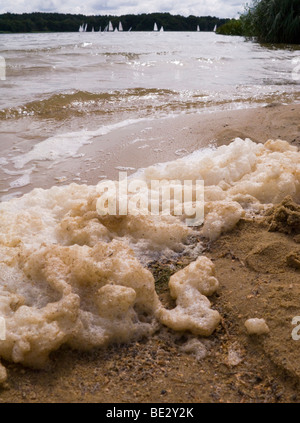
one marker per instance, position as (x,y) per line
(142,102)
(34,50)
(79,103)
(38,50)
(127,55)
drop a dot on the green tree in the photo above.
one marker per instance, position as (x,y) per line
(58,22)
(233,27)
(273,21)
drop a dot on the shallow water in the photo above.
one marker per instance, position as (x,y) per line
(91,69)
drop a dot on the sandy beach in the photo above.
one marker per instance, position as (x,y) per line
(257,268)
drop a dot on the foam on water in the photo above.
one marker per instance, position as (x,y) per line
(70,276)
(66,145)
(21,182)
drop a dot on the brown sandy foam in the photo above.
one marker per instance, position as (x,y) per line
(237,367)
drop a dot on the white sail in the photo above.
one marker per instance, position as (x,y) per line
(106,28)
(110,27)
(100,29)
(85,28)
(130,29)
(81,28)
(215,28)
(198,28)
(93,30)
(155,27)
(116,29)
(162,29)
(120,26)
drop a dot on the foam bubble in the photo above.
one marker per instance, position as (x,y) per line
(241,178)
(256,327)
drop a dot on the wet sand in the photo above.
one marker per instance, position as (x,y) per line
(257,279)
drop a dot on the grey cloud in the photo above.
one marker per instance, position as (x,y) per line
(220,8)
(48,6)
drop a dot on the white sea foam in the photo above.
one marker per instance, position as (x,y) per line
(23,181)
(66,145)
(3,161)
(69,276)
(124,168)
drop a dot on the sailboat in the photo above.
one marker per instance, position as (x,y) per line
(85,28)
(120,26)
(110,27)
(116,29)
(93,30)
(161,29)
(81,28)
(198,28)
(155,27)
(215,28)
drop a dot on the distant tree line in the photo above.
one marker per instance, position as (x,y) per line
(57,22)
(270,21)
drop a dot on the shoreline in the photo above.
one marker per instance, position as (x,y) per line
(150,141)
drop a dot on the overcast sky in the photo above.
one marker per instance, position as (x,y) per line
(219,8)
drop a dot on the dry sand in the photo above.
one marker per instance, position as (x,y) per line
(258,271)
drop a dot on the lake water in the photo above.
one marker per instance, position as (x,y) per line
(91,73)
